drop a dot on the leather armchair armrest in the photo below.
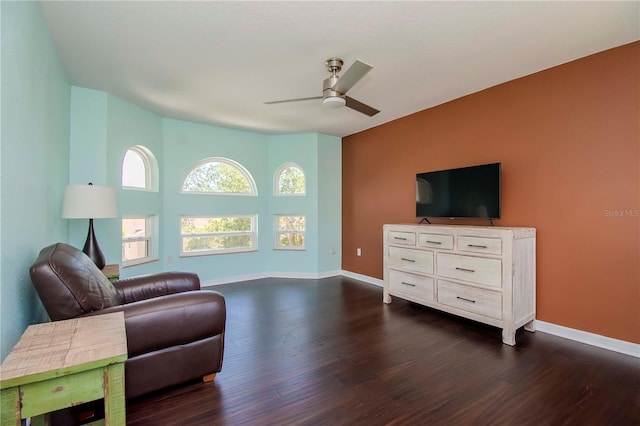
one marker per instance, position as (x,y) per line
(153,285)
(171,320)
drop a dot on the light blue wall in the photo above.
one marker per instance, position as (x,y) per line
(329,159)
(34,160)
(300,149)
(130,125)
(88,144)
(103,127)
(185,144)
(87,153)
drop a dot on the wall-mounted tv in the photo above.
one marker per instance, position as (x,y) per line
(467,192)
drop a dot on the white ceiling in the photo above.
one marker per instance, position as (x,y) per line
(218,62)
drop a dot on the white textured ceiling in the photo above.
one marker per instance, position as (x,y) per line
(218,62)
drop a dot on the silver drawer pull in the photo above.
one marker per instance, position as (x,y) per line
(409,284)
(434,242)
(400,238)
(465,269)
(408,260)
(476,246)
(466,300)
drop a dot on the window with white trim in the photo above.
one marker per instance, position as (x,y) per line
(219,176)
(289,179)
(218,234)
(289,232)
(139,169)
(138,242)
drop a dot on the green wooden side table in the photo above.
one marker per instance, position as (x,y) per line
(62,364)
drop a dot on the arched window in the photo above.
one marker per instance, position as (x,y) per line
(289,179)
(139,169)
(219,176)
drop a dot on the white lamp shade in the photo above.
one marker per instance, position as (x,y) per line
(89,202)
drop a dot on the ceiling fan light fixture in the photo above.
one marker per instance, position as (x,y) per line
(334,102)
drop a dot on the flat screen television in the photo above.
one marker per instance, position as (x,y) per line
(467,192)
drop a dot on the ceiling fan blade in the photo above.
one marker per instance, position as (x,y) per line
(293,100)
(360,107)
(353,75)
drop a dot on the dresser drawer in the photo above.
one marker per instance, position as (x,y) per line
(402,238)
(477,300)
(410,285)
(411,259)
(469,268)
(444,242)
(480,245)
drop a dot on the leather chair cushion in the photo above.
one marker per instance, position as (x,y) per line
(143,287)
(173,320)
(70,284)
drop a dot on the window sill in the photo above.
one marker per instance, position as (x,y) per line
(135,188)
(137,262)
(217,252)
(290,248)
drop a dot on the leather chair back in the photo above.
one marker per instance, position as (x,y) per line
(70,284)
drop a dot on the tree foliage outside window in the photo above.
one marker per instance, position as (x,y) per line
(290,232)
(220,176)
(221,234)
(290,180)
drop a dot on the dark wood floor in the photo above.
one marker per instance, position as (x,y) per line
(329,352)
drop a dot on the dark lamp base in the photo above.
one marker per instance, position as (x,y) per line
(92,249)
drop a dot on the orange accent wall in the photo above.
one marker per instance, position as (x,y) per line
(568,139)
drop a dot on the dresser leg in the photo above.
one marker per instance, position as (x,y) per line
(509,336)
(386,298)
(530,326)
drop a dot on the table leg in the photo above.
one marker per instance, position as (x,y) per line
(115,411)
(10,407)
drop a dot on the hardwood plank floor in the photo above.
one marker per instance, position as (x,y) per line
(329,352)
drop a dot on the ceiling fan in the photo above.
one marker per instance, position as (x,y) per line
(335,88)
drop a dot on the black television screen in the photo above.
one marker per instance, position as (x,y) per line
(468,192)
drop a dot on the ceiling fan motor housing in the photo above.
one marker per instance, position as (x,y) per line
(330,97)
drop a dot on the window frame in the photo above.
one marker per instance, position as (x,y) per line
(151,227)
(150,169)
(278,174)
(278,232)
(252,184)
(211,252)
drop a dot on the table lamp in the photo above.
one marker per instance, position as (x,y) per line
(90,202)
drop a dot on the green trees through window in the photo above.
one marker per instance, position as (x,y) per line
(221,234)
(290,180)
(290,232)
(221,176)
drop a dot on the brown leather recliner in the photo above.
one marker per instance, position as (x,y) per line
(175,331)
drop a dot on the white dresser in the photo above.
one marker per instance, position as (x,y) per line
(484,273)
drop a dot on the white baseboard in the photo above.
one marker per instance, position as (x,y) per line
(234,279)
(360,277)
(305,275)
(621,346)
(299,275)
(592,339)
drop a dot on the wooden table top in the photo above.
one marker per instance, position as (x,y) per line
(64,347)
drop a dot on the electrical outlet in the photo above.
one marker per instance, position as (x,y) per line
(358,251)
(169,259)
(332,250)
